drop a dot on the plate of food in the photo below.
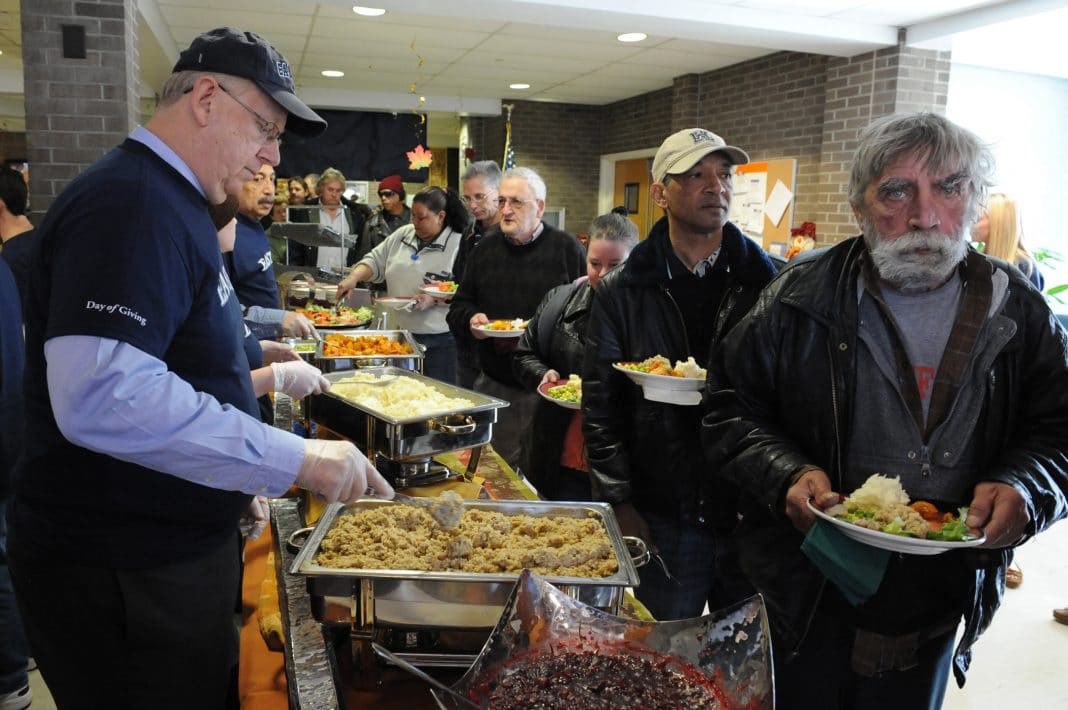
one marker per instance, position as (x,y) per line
(338,317)
(662,382)
(880,514)
(565,393)
(440,289)
(504,328)
(397,303)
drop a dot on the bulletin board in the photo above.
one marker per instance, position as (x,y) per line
(762,191)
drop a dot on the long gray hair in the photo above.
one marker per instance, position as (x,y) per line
(946,146)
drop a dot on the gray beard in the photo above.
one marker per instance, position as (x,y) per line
(899,261)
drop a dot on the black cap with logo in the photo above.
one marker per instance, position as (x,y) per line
(227,50)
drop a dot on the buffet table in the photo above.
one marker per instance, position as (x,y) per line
(303,676)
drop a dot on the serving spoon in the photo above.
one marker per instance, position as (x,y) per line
(404,665)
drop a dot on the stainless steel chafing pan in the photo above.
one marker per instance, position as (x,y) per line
(408,361)
(409,438)
(442,600)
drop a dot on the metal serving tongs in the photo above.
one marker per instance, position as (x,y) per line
(641,554)
(404,665)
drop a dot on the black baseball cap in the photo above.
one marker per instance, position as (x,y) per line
(228,50)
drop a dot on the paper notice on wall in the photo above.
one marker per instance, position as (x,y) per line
(747,206)
(778,201)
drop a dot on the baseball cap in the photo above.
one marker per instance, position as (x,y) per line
(228,50)
(681,151)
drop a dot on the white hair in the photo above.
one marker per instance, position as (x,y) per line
(530,177)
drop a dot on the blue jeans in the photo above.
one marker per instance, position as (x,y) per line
(13,650)
(703,563)
(440,359)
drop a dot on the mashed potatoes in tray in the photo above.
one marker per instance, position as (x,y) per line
(396,396)
(404,537)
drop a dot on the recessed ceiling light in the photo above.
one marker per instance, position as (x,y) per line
(368,11)
(632,37)
(519,86)
(333,73)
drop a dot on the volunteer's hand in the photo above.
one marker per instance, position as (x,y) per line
(345,287)
(254,520)
(1001,511)
(295,325)
(298,379)
(813,484)
(633,524)
(274,351)
(550,375)
(338,471)
(477,320)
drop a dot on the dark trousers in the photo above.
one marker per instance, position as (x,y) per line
(703,563)
(113,638)
(439,360)
(821,676)
(13,650)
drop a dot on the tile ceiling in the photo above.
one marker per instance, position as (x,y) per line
(461,56)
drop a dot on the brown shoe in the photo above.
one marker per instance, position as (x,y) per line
(1013,577)
(1061,615)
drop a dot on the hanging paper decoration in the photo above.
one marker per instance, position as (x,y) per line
(419,158)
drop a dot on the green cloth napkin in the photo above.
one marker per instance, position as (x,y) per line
(855,568)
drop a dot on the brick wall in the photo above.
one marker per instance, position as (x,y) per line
(638,122)
(76,109)
(771,107)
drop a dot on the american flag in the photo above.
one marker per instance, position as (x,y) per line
(509,154)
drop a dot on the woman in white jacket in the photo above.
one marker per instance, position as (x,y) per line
(412,257)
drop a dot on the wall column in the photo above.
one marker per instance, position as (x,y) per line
(77,107)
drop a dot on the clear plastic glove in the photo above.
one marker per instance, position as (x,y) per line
(274,351)
(294,325)
(254,520)
(298,379)
(338,471)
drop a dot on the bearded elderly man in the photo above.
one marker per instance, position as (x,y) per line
(143,446)
(903,352)
(506,277)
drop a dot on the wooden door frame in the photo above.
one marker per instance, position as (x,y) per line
(606,187)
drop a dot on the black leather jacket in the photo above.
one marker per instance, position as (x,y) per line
(561,349)
(643,452)
(786,400)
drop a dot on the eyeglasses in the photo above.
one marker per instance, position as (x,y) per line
(474,198)
(270,130)
(386,193)
(514,202)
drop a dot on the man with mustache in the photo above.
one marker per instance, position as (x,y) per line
(686,285)
(250,264)
(904,352)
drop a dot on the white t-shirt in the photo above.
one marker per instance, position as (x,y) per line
(334,257)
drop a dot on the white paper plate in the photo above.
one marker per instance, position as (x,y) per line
(431,291)
(501,333)
(397,303)
(895,543)
(665,388)
(543,390)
